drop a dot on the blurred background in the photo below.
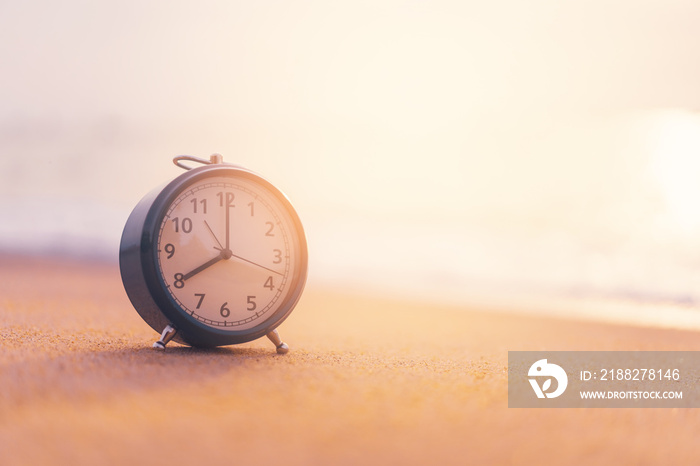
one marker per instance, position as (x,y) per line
(450,151)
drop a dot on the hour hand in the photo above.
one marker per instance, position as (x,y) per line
(204,266)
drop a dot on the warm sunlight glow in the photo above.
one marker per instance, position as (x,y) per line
(676,165)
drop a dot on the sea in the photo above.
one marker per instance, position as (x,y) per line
(600,241)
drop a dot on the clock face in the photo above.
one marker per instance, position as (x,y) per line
(227,252)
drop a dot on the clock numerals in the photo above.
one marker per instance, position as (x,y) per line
(229,199)
(203,203)
(251,303)
(185,225)
(222,232)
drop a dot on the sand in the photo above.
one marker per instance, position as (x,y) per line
(367,381)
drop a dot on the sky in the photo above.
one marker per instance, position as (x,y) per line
(433,143)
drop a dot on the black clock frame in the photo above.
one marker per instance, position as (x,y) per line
(138,264)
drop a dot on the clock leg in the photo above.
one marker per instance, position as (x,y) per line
(167,335)
(274,337)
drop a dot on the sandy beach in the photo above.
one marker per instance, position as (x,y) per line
(367,381)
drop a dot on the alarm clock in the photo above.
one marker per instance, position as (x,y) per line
(215,257)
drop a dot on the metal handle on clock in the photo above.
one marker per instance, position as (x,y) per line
(213,159)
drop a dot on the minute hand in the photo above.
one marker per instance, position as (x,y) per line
(228,239)
(251,262)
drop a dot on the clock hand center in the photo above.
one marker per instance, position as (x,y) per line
(225,253)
